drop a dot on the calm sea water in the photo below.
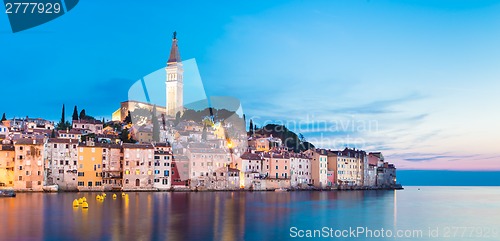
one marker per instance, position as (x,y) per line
(418,213)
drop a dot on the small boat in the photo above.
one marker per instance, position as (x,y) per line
(51,188)
(7,193)
(281,189)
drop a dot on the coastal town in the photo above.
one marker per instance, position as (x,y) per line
(147,147)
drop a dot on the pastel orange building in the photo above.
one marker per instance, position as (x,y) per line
(90,167)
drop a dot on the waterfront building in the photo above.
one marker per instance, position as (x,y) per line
(138,166)
(319,168)
(204,161)
(29,164)
(250,165)
(61,163)
(7,162)
(162,166)
(112,163)
(250,162)
(180,171)
(300,170)
(225,178)
(385,172)
(276,165)
(90,166)
(332,172)
(370,170)
(350,165)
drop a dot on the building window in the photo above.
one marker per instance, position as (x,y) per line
(126,181)
(127,172)
(90,184)
(98,184)
(80,184)
(81,174)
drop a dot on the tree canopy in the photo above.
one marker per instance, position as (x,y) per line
(289,138)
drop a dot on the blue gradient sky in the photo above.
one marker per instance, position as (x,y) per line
(417,80)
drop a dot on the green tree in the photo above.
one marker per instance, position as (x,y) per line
(177,117)
(128,118)
(251,127)
(3,117)
(63,119)
(75,113)
(125,137)
(163,121)
(156,126)
(204,133)
(53,134)
(63,124)
(83,116)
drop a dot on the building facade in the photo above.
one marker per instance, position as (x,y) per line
(7,162)
(90,167)
(138,166)
(29,164)
(61,163)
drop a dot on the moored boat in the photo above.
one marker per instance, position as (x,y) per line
(51,188)
(281,189)
(7,193)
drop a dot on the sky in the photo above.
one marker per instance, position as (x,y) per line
(417,80)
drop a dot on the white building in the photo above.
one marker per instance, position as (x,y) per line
(162,167)
(61,163)
(94,126)
(300,170)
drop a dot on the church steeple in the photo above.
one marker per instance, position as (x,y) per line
(175,56)
(174,80)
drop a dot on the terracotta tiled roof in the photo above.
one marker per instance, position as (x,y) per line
(137,146)
(59,140)
(28,141)
(7,148)
(87,122)
(250,156)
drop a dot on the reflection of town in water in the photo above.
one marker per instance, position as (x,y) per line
(171,215)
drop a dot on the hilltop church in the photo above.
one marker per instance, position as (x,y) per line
(174,89)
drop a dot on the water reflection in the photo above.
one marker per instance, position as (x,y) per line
(215,215)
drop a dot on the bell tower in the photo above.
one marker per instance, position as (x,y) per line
(174,80)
